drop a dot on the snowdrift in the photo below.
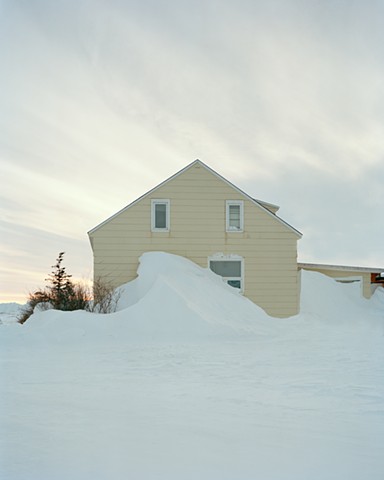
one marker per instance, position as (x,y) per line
(172,298)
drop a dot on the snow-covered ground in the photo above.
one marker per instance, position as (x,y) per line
(189,380)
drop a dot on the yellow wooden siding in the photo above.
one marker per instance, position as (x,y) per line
(197,231)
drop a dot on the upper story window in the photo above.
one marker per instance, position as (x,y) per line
(160,215)
(234,215)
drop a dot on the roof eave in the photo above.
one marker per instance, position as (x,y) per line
(346,268)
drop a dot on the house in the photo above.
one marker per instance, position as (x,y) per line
(200,215)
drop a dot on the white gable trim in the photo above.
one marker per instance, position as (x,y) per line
(254,201)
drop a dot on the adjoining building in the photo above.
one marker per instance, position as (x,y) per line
(369,278)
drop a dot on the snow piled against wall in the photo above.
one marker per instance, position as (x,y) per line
(174,299)
(191,380)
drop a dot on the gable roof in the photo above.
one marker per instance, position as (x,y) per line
(258,203)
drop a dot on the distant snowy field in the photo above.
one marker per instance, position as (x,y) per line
(189,380)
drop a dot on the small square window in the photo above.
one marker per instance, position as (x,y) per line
(160,215)
(234,216)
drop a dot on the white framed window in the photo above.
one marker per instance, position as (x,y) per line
(230,267)
(234,215)
(160,215)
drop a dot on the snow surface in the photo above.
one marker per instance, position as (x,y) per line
(9,312)
(190,380)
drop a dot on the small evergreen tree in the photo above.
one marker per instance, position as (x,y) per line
(61,289)
(60,293)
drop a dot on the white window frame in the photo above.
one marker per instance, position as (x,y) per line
(220,257)
(228,228)
(162,201)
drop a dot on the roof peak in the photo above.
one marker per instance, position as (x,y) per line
(259,203)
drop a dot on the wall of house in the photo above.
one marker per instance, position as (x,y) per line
(197,231)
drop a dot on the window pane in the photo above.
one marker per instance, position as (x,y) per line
(234,283)
(234,216)
(160,215)
(226,268)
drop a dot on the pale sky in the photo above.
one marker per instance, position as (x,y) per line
(101,100)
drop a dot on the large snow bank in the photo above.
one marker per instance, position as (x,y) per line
(172,294)
(172,298)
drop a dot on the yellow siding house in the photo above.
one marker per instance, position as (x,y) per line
(200,215)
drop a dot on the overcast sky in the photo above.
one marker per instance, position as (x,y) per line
(101,100)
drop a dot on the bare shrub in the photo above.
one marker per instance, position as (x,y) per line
(39,297)
(105,297)
(80,297)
